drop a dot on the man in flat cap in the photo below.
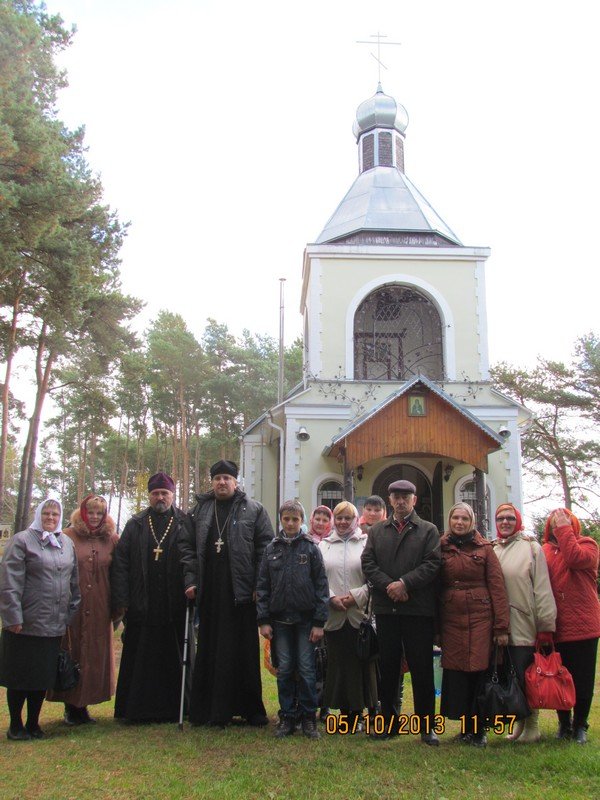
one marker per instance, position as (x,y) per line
(401,560)
(147,584)
(221,557)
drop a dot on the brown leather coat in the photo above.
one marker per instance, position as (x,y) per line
(473,604)
(91,633)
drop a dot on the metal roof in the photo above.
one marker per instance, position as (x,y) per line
(383,199)
(417,379)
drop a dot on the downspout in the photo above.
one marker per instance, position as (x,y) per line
(281,455)
(242,473)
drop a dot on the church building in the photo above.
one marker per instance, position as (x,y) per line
(396,375)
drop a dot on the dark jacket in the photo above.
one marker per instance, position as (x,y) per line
(473,604)
(129,568)
(248,534)
(292,580)
(413,555)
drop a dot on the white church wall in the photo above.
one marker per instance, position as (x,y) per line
(449,282)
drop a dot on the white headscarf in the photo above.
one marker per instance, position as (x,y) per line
(37,525)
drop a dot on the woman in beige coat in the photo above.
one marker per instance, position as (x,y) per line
(532,606)
(350,684)
(90,635)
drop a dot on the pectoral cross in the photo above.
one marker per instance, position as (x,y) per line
(157,551)
(219,544)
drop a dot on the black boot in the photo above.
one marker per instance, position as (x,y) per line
(85,718)
(565,731)
(580,731)
(309,727)
(285,727)
(72,716)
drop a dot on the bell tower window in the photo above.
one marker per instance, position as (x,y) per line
(397,334)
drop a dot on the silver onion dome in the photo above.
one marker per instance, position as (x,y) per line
(380,111)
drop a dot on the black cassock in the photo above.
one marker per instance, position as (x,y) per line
(149,685)
(226,680)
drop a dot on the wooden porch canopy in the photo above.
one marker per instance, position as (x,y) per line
(445,430)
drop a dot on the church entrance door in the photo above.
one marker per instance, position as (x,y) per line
(406,472)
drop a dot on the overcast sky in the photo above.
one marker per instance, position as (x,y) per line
(223,132)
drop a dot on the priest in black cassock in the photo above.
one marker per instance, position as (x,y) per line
(147,586)
(222,555)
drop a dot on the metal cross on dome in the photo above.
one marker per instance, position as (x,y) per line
(378,36)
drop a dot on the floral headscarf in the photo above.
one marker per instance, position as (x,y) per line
(315,534)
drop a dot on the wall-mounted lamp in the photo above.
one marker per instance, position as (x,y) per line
(448,470)
(360,471)
(302,434)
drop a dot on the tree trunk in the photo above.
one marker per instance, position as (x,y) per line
(43,372)
(197,459)
(185,453)
(92,486)
(174,454)
(113,469)
(123,486)
(10,354)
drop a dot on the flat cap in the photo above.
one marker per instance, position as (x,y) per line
(405,487)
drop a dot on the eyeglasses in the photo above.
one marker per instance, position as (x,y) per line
(506,519)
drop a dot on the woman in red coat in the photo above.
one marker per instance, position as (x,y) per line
(573,567)
(474,614)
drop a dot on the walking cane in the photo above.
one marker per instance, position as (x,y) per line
(186,651)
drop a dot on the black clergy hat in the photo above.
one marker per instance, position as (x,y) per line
(224,467)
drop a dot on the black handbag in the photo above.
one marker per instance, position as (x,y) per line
(500,694)
(367,646)
(67,669)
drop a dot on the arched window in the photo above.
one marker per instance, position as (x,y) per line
(397,334)
(330,494)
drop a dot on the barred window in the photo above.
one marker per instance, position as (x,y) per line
(397,334)
(330,494)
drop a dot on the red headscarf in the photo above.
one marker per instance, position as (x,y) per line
(575,524)
(84,513)
(513,510)
(321,510)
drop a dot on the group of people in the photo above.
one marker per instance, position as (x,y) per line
(311,582)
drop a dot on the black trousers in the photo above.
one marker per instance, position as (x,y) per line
(413,637)
(580,659)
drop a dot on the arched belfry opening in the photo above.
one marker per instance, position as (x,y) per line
(397,334)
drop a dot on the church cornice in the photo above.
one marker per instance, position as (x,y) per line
(454,252)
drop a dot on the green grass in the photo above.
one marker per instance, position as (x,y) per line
(116,762)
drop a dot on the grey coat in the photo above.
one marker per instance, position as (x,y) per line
(39,584)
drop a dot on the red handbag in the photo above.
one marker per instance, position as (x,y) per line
(549,684)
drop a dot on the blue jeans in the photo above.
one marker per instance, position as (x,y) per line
(295,656)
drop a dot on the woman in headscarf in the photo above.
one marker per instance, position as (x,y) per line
(39,595)
(350,684)
(573,567)
(374,511)
(532,606)
(321,523)
(90,637)
(474,615)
